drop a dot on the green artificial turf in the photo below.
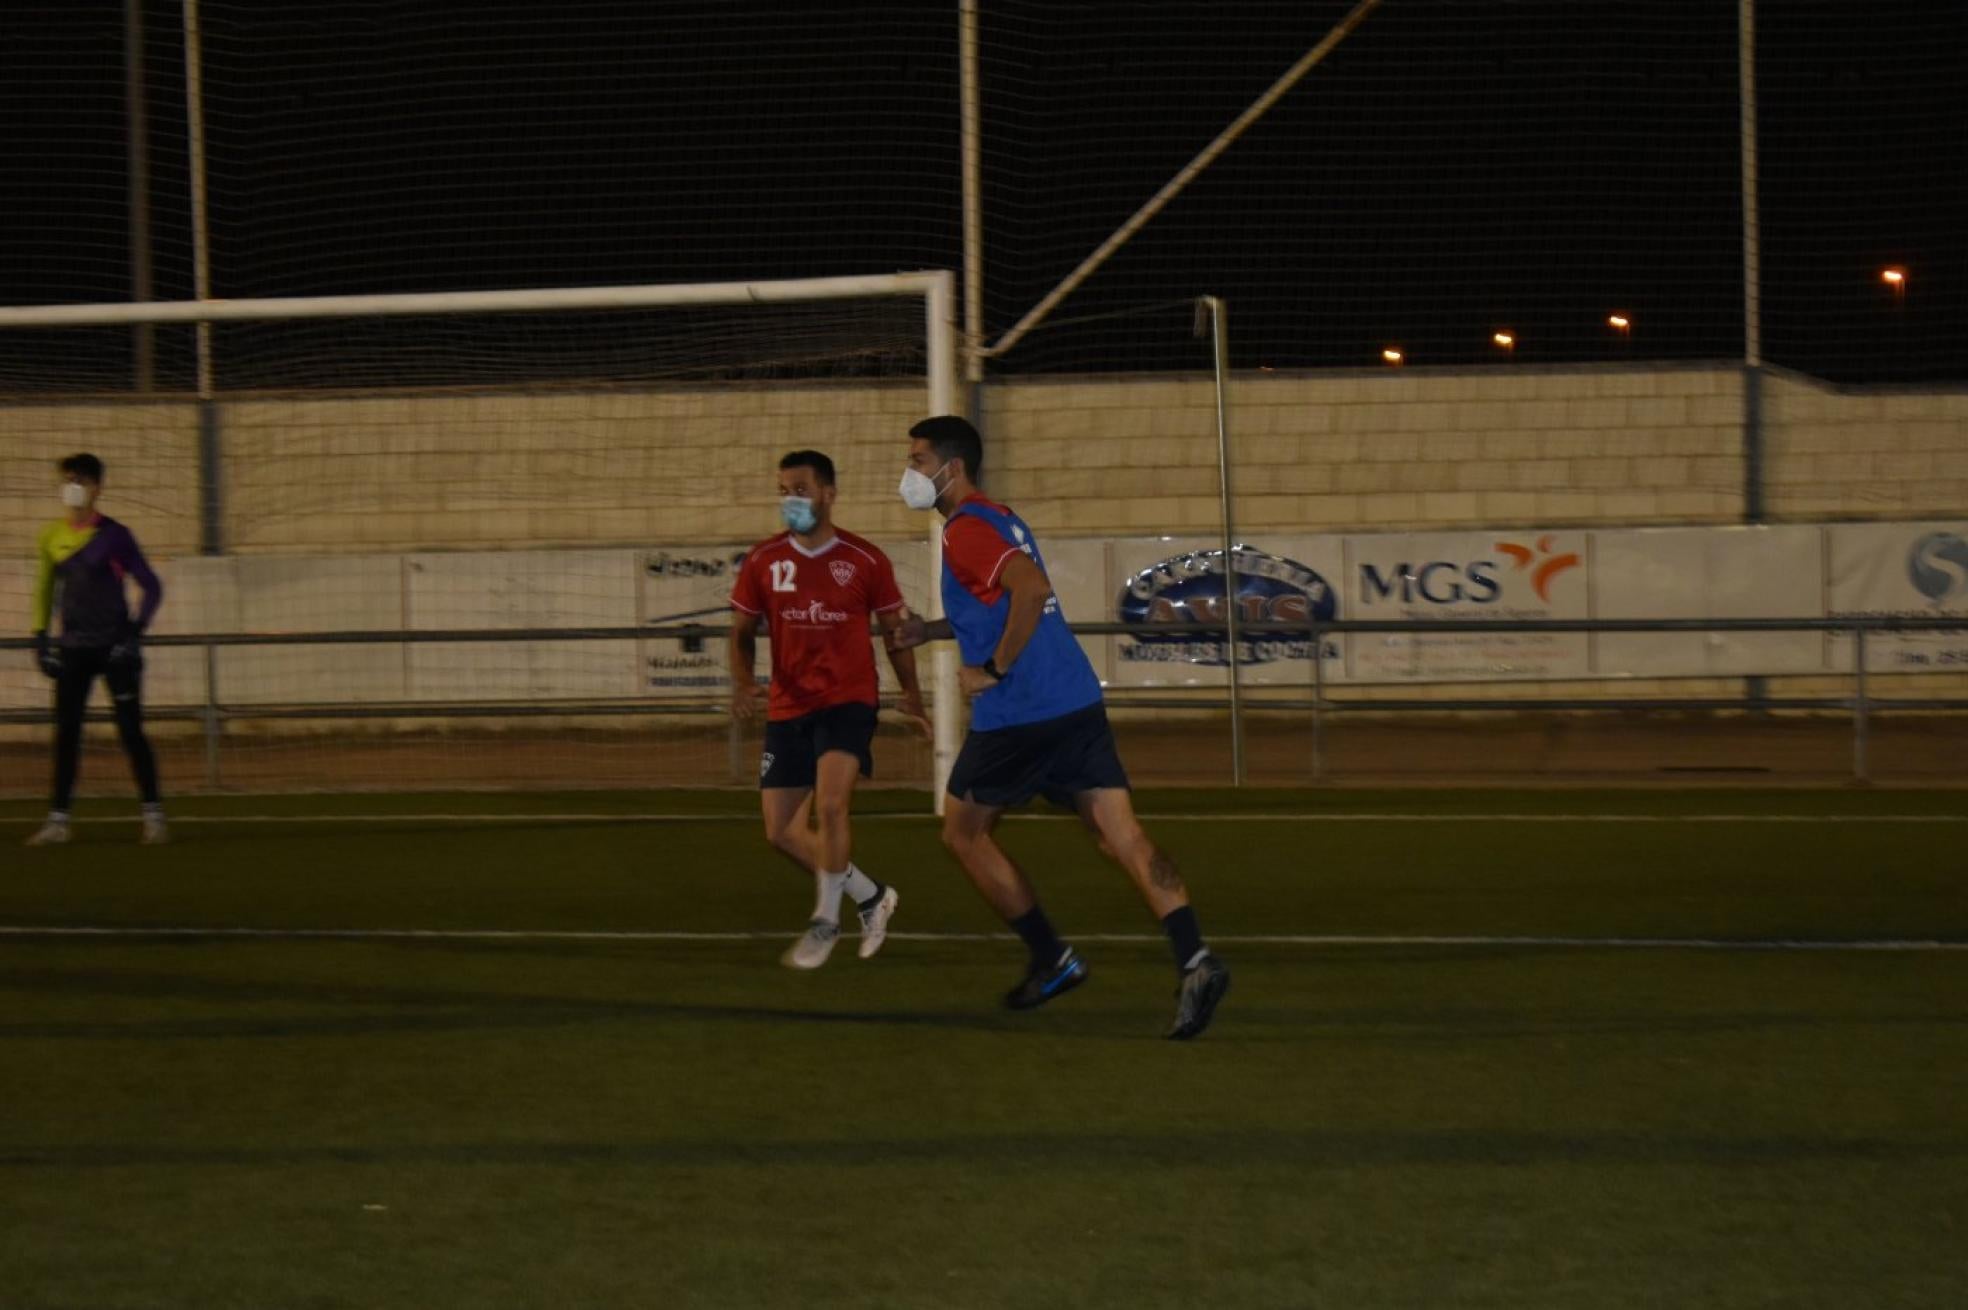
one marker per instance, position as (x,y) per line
(579,1120)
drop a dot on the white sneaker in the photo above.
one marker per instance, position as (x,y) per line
(49,834)
(813,946)
(155,833)
(874,921)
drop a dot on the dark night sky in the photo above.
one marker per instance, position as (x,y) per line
(1455,167)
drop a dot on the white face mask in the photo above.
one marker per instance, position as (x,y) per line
(919,488)
(75,495)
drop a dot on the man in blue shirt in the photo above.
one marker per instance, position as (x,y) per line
(83,559)
(1038,727)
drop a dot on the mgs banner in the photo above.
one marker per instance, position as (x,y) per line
(1446,577)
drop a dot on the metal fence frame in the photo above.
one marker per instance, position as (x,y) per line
(214,713)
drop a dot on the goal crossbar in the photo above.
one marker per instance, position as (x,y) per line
(933,285)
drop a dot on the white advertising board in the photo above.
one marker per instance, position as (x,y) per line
(1900,570)
(1459,576)
(1705,573)
(687,584)
(522,589)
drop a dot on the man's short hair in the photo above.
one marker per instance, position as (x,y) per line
(823,468)
(86,467)
(952,437)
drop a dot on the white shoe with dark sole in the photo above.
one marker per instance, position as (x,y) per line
(813,946)
(874,922)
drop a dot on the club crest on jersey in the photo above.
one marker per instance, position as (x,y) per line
(843,571)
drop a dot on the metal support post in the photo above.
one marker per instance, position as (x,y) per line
(1860,718)
(1220,350)
(211,717)
(1318,704)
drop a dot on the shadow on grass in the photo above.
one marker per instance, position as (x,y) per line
(347,1008)
(1253,1148)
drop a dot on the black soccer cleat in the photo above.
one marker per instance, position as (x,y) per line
(1041,985)
(1196,999)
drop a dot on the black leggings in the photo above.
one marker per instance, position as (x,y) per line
(79,670)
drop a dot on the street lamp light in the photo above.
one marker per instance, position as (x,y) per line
(1505,341)
(1895,278)
(1392,358)
(1619,323)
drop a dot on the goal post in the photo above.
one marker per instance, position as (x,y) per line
(547,414)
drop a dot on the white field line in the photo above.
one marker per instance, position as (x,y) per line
(1257,939)
(1334,817)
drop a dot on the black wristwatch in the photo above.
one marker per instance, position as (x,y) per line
(990,666)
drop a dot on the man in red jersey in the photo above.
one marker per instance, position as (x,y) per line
(815,587)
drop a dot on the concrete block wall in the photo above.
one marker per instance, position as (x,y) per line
(150,453)
(1855,454)
(553,469)
(1412,450)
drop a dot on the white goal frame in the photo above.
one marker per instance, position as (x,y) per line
(937,288)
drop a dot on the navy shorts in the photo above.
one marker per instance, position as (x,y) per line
(793,747)
(1054,758)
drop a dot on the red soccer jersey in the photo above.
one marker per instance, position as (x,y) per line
(816,608)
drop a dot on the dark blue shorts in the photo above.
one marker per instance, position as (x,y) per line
(1054,758)
(793,747)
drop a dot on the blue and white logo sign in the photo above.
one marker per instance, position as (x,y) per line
(1937,566)
(1188,589)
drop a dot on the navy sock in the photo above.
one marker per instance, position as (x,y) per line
(1035,930)
(1185,937)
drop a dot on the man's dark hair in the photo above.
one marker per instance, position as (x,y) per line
(952,437)
(86,467)
(823,468)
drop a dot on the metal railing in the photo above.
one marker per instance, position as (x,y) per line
(214,713)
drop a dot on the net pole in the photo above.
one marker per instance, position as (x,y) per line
(136,114)
(211,506)
(1752,247)
(1190,171)
(1220,356)
(947,711)
(973,204)
(201,235)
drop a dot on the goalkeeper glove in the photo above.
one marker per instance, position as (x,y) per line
(127,653)
(47,654)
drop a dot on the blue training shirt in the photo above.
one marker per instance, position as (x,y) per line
(1052,676)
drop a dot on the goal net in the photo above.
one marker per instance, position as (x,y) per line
(424,542)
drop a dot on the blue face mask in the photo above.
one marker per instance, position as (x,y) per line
(798,513)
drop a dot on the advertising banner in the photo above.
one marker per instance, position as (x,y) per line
(1903,570)
(1457,576)
(1704,573)
(521,589)
(1172,583)
(688,584)
(1179,581)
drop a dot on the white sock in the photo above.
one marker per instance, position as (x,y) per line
(58,817)
(827,902)
(154,811)
(859,885)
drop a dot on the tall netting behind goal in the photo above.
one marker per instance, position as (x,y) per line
(553,490)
